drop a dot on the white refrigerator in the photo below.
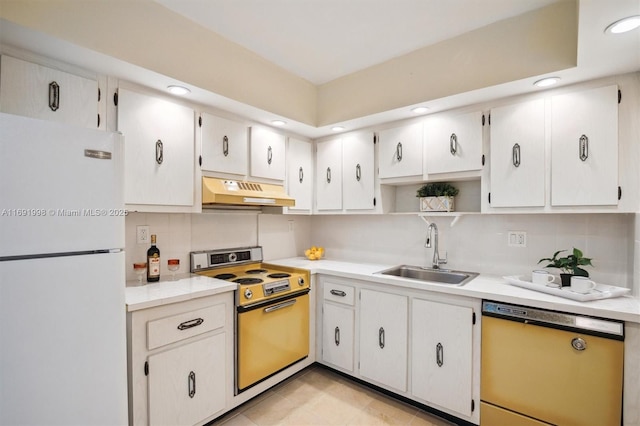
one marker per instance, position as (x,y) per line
(62,276)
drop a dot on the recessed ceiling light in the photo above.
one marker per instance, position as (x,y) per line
(546,82)
(419,110)
(178,90)
(278,122)
(337,128)
(624,25)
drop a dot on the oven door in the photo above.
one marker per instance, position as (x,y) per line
(271,336)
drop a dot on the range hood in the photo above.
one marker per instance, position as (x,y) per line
(224,192)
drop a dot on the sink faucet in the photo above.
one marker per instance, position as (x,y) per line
(433,230)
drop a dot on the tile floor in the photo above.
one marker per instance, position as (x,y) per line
(317,396)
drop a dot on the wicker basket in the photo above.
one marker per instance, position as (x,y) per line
(436,204)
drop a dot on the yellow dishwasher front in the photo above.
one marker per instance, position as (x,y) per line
(544,367)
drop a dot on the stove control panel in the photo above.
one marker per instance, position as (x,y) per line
(276,287)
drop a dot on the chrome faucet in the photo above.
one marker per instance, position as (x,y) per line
(436,262)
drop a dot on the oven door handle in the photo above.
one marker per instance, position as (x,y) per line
(279,306)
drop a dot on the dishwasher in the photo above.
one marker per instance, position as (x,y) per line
(543,367)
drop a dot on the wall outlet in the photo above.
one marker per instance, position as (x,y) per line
(517,238)
(142,234)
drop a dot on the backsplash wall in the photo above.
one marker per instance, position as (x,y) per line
(479,242)
(474,243)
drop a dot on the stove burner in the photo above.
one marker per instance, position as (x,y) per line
(256,271)
(279,275)
(225,276)
(248,281)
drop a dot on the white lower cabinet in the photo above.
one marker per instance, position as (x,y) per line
(180,361)
(442,355)
(383,338)
(186,384)
(421,345)
(338,325)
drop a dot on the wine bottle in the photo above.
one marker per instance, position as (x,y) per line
(153,262)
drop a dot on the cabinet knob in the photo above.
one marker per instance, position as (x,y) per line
(54,96)
(159,152)
(358,172)
(269,155)
(399,151)
(336,336)
(515,154)
(583,147)
(192,384)
(225,145)
(453,144)
(300,174)
(328,174)
(439,354)
(381,338)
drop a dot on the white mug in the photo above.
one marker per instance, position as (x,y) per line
(541,277)
(582,284)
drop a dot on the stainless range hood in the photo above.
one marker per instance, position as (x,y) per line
(218,193)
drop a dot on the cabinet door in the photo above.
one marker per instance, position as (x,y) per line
(187,384)
(584,148)
(159,150)
(453,143)
(383,338)
(338,335)
(518,155)
(358,171)
(224,145)
(329,175)
(401,151)
(441,355)
(35,91)
(299,173)
(267,154)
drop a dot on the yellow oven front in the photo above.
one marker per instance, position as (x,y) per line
(271,337)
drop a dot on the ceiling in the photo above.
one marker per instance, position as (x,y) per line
(324,41)
(321,40)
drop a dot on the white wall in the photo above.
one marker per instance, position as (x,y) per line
(280,236)
(479,242)
(476,242)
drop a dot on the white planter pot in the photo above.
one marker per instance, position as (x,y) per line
(436,204)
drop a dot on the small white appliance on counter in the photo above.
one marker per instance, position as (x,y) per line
(62,308)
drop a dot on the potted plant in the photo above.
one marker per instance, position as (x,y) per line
(571,265)
(437,197)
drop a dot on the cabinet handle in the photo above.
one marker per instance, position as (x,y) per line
(279,306)
(399,151)
(439,354)
(358,172)
(159,152)
(328,174)
(190,324)
(579,344)
(269,155)
(192,384)
(583,147)
(381,338)
(338,293)
(225,145)
(515,153)
(300,174)
(54,96)
(336,336)
(453,144)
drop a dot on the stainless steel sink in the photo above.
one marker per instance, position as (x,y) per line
(439,276)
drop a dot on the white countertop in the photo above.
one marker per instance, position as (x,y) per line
(491,287)
(188,286)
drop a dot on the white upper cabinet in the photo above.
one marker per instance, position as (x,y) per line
(329,175)
(400,151)
(267,154)
(159,150)
(35,91)
(358,172)
(518,155)
(224,145)
(584,148)
(300,174)
(453,143)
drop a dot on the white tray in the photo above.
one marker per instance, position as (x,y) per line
(601,291)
